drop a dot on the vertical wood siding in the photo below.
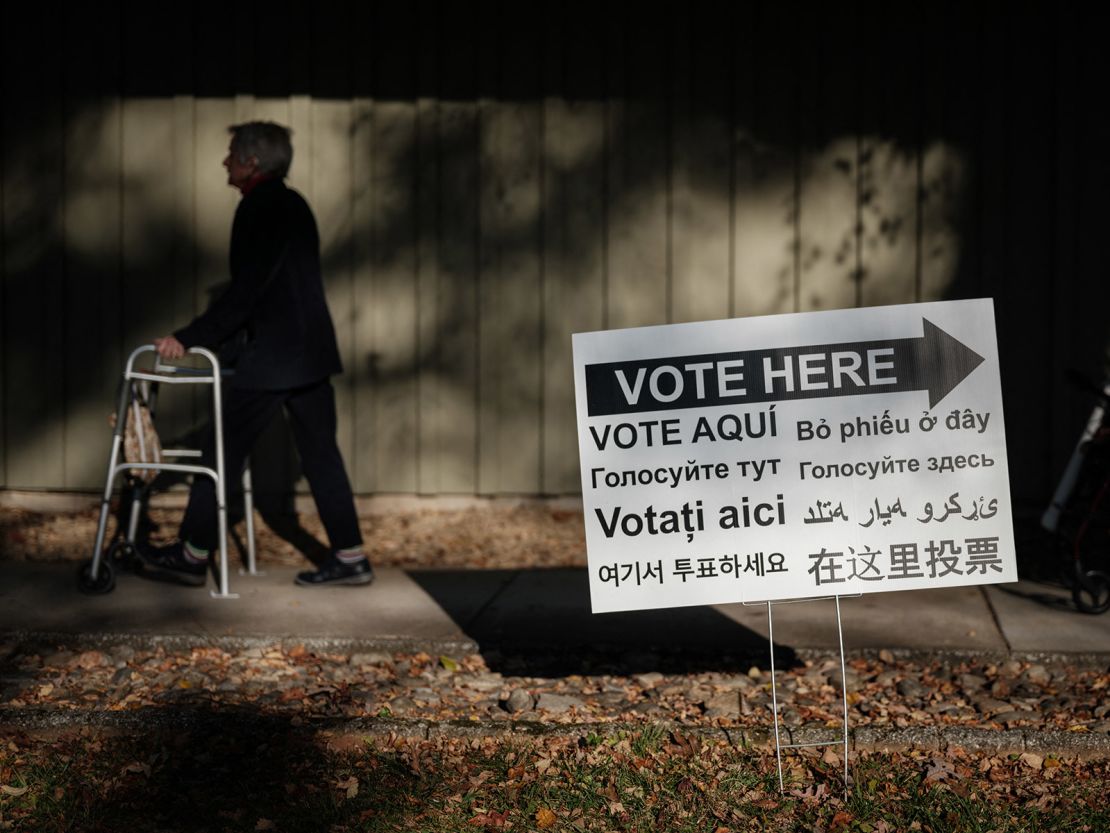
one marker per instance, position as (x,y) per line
(491,177)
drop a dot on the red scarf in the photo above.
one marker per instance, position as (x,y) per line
(254,182)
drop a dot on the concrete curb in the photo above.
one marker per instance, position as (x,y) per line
(457,647)
(239,642)
(1081,746)
(1084,660)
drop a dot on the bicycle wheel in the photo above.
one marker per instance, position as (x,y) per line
(1091,592)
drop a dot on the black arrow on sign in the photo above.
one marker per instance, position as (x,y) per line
(939,362)
(935,362)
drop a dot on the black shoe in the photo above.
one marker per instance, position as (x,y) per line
(334,571)
(170,563)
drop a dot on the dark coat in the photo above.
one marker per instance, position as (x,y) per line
(274,306)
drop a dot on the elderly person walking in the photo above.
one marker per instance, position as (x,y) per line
(275,316)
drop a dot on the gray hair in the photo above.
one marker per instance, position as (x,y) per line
(265,141)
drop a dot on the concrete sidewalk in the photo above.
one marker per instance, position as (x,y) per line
(454,611)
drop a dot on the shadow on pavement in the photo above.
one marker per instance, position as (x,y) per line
(1053,596)
(539,622)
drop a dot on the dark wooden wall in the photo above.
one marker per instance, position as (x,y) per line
(491,177)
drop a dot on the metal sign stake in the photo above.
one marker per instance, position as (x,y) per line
(843,742)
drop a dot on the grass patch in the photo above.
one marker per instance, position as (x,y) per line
(270,775)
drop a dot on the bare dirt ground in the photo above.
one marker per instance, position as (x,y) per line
(504,538)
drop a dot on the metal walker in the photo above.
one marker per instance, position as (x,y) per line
(141,385)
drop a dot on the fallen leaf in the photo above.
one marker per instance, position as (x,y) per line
(1032,760)
(346,744)
(491,819)
(264,824)
(811,793)
(89,660)
(683,742)
(350,785)
(544,818)
(939,770)
(449,664)
(481,778)
(15,792)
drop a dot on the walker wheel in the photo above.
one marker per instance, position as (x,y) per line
(122,554)
(105,581)
(1091,592)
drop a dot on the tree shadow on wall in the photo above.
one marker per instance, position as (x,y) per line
(772,90)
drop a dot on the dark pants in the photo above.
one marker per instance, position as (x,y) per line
(246,413)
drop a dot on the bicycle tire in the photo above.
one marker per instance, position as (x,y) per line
(1091,592)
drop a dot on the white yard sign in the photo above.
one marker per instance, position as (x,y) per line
(790,456)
